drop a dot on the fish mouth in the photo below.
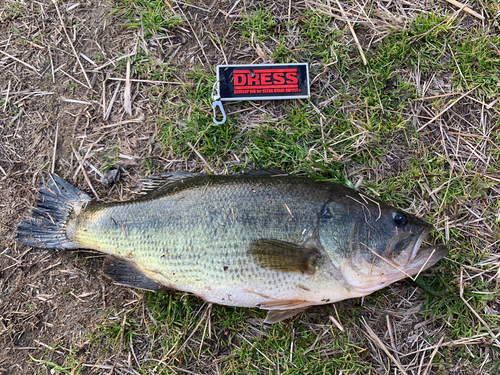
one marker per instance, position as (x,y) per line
(426,257)
(405,247)
(405,258)
(416,248)
(422,258)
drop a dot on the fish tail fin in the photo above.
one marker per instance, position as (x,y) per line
(58,202)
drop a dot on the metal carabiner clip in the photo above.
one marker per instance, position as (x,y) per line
(217,103)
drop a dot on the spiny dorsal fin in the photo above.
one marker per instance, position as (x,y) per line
(284,256)
(124,273)
(266,172)
(157,182)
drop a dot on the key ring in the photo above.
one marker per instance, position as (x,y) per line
(258,82)
(217,103)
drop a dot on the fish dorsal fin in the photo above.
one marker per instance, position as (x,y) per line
(285,256)
(275,316)
(158,182)
(124,273)
(266,172)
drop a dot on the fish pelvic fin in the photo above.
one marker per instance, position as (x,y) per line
(125,273)
(285,256)
(57,202)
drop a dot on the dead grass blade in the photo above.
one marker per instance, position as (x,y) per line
(374,338)
(466,8)
(429,364)
(6,97)
(127,100)
(446,109)
(79,158)
(201,157)
(22,62)
(356,40)
(55,149)
(110,106)
(71,44)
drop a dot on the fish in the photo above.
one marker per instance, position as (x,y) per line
(263,239)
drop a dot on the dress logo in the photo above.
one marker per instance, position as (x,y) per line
(263,82)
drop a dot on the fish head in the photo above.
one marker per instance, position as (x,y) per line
(374,244)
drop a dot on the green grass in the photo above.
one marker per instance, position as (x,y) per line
(13,10)
(110,159)
(359,123)
(477,59)
(152,15)
(295,141)
(234,335)
(259,24)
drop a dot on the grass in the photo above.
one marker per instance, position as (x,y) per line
(259,24)
(361,122)
(152,15)
(384,91)
(476,59)
(12,10)
(237,337)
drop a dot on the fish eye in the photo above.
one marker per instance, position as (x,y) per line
(399,219)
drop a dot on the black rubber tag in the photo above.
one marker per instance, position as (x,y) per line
(263,81)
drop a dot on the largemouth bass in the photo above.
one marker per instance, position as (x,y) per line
(277,242)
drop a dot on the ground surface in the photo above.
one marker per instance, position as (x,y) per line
(417,126)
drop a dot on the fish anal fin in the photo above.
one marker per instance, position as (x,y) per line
(125,273)
(275,316)
(283,309)
(285,256)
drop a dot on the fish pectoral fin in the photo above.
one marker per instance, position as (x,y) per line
(285,256)
(275,316)
(125,273)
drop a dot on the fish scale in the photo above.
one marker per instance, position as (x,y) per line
(184,218)
(255,240)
